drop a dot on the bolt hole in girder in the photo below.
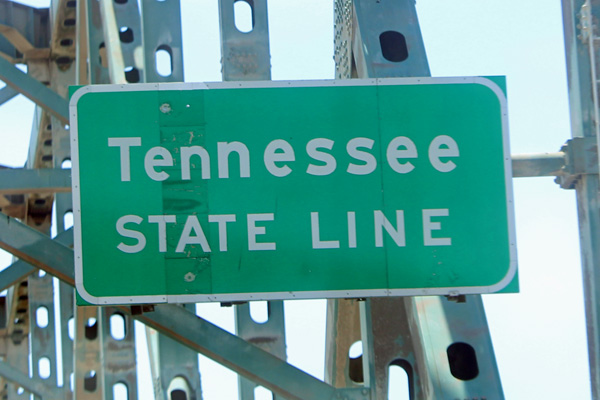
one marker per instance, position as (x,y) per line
(163,58)
(463,361)
(68,219)
(90,381)
(259,311)
(243,15)
(102,57)
(178,389)
(393,46)
(125,34)
(120,391)
(355,362)
(399,377)
(117,326)
(262,393)
(41,317)
(44,368)
(177,394)
(132,74)
(91,329)
(71,328)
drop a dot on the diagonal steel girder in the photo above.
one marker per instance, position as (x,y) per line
(7,93)
(37,388)
(34,90)
(19,270)
(181,325)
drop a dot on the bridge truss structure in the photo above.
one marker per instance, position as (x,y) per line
(443,344)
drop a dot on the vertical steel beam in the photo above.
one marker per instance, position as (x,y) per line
(245,55)
(412,333)
(342,331)
(175,368)
(116,65)
(88,373)
(582,38)
(113,39)
(96,47)
(42,334)
(161,24)
(269,336)
(18,336)
(117,336)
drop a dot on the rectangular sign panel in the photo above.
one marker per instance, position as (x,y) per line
(283,190)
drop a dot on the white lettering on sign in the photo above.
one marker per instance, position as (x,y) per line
(279,154)
(429,225)
(124,144)
(397,234)
(187,153)
(370,162)
(394,153)
(130,233)
(329,160)
(436,151)
(192,224)
(193,233)
(351,229)
(254,231)
(222,220)
(151,162)
(162,221)
(317,243)
(224,149)
(272,156)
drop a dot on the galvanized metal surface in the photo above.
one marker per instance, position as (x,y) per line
(387,42)
(34,90)
(574,165)
(581,40)
(20,181)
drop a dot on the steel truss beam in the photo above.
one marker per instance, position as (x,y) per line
(37,388)
(582,35)
(19,270)
(21,181)
(181,325)
(34,90)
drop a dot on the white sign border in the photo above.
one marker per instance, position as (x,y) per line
(228,297)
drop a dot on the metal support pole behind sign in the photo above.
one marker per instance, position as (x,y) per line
(581,44)
(245,56)
(176,369)
(423,336)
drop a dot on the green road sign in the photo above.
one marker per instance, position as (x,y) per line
(284,190)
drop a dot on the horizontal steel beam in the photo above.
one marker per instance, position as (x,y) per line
(22,180)
(179,324)
(35,91)
(543,164)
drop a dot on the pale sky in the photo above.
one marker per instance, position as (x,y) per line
(538,334)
